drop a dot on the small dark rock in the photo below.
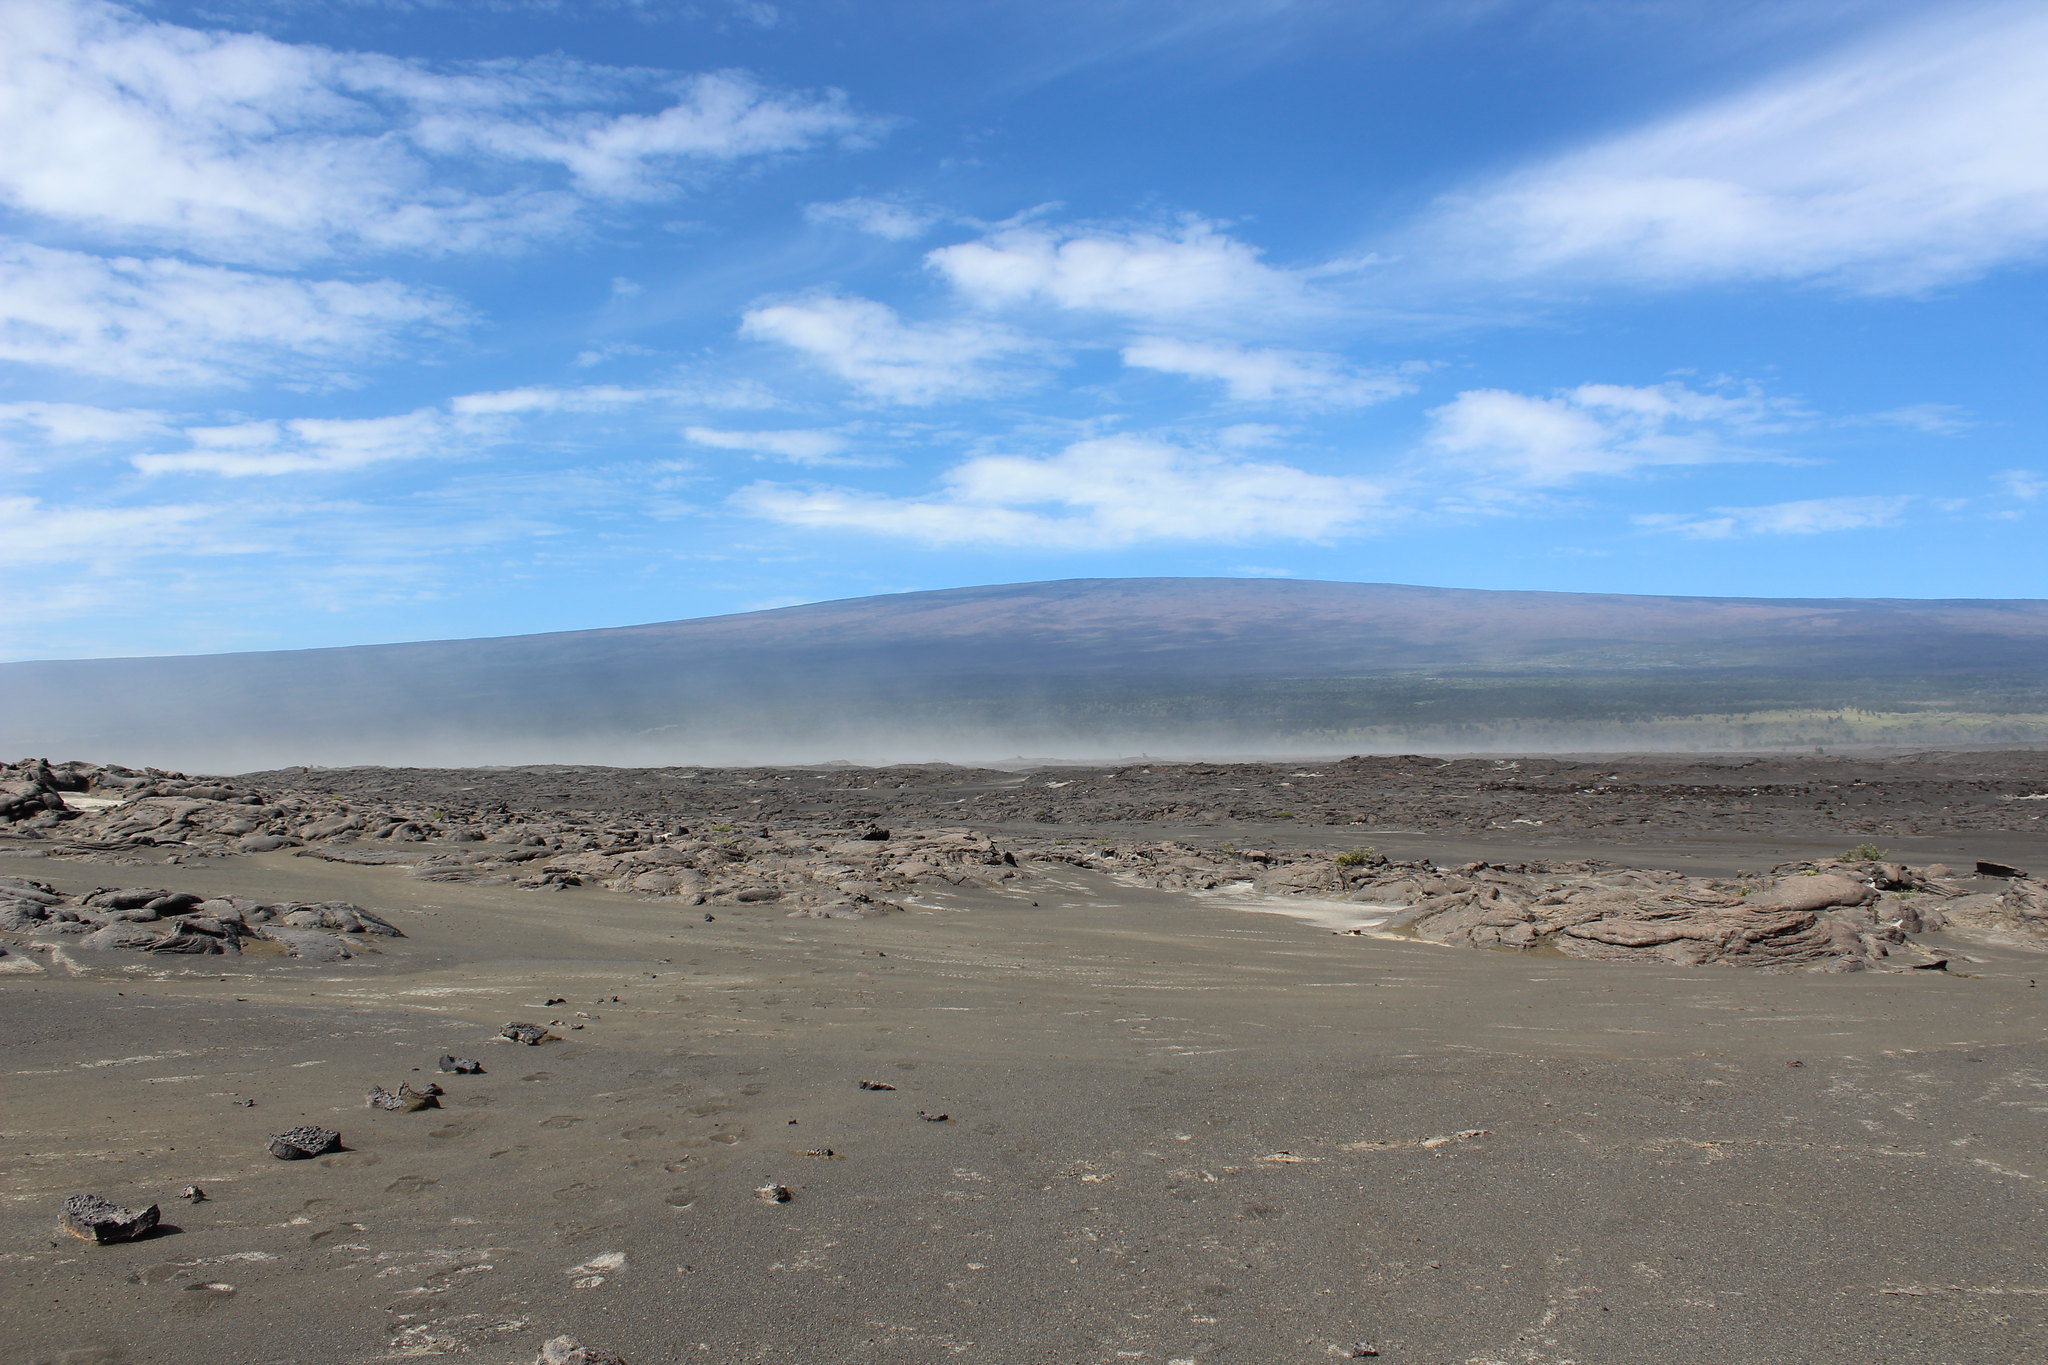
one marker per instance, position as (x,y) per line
(296,1144)
(876,1085)
(460,1066)
(192,1194)
(102,1220)
(775,1194)
(529,1034)
(1985,869)
(934,1118)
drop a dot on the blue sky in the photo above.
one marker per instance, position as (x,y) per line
(339,323)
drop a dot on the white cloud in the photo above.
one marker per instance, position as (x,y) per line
(2024,485)
(1196,270)
(1267,375)
(580,398)
(1595,429)
(32,533)
(80,424)
(1900,163)
(249,149)
(538,399)
(306,445)
(172,322)
(1809,516)
(722,116)
(1931,419)
(798,447)
(1108,491)
(466,425)
(887,218)
(866,344)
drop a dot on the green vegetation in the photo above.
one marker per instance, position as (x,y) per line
(1865,853)
(1356,857)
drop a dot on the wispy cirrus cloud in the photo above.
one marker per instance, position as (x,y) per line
(163,321)
(893,220)
(796,446)
(466,425)
(247,149)
(33,533)
(1803,517)
(869,346)
(309,445)
(1908,160)
(1099,493)
(1269,374)
(76,424)
(1597,429)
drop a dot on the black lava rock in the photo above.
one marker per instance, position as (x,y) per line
(102,1220)
(296,1144)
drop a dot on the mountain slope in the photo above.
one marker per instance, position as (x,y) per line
(1078,667)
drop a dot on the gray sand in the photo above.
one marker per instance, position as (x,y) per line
(1177,1131)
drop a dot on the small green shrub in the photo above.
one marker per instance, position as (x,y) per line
(1356,857)
(1865,853)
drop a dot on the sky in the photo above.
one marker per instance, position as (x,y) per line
(346,322)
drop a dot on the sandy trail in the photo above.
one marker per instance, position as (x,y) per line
(1176,1131)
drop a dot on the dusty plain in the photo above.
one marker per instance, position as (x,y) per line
(1178,1126)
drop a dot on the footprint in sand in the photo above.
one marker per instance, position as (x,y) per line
(460,1128)
(410,1184)
(338,1230)
(641,1133)
(200,1298)
(561,1121)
